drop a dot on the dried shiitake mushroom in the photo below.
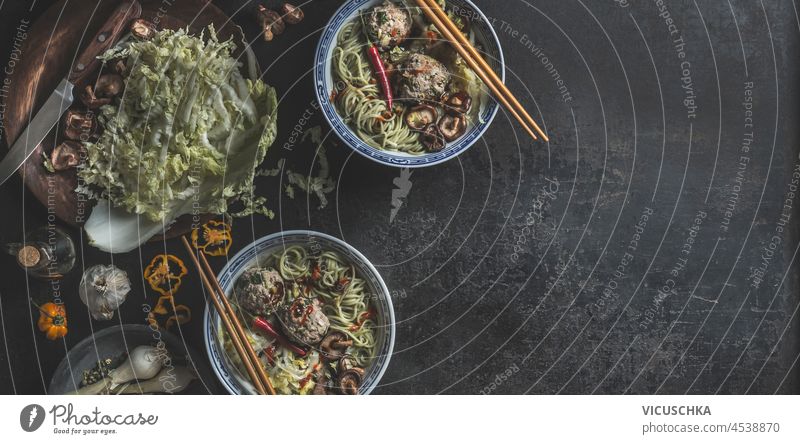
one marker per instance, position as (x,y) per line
(120,67)
(107,87)
(271,22)
(321,386)
(79,125)
(460,102)
(452,126)
(66,155)
(268,35)
(432,138)
(420,116)
(334,345)
(142,29)
(292,14)
(90,99)
(350,381)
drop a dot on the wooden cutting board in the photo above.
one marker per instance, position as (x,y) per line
(53,40)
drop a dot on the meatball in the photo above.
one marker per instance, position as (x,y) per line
(304,322)
(387,25)
(259,290)
(423,78)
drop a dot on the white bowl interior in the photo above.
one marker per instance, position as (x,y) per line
(236,382)
(485,37)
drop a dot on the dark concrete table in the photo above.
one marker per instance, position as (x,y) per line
(648,248)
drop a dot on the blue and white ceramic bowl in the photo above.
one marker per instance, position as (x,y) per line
(324,84)
(237,383)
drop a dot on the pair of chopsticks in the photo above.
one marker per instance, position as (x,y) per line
(468,52)
(231,322)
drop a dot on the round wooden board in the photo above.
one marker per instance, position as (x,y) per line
(46,55)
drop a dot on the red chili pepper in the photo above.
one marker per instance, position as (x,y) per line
(431,37)
(307,378)
(341,284)
(264,325)
(309,310)
(270,353)
(380,71)
(360,319)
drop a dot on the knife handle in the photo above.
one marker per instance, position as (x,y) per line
(106,37)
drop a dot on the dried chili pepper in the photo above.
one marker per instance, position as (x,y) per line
(369,314)
(380,71)
(265,326)
(269,352)
(316,273)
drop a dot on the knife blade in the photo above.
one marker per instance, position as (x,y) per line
(37,129)
(62,97)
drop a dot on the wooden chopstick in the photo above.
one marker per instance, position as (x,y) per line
(237,325)
(240,342)
(468,52)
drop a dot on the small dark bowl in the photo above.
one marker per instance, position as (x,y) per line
(119,339)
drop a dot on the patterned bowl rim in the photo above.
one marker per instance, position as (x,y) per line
(322,72)
(244,257)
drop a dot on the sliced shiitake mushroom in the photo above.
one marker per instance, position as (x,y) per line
(320,386)
(292,14)
(66,155)
(351,380)
(334,345)
(452,126)
(346,363)
(142,29)
(460,102)
(79,126)
(420,116)
(432,138)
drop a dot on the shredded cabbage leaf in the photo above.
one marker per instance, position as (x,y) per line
(185,137)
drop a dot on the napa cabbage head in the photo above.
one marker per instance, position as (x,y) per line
(185,137)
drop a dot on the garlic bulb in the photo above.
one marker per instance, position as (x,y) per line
(144,362)
(103,289)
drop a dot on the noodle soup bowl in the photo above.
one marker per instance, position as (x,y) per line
(236,382)
(326,83)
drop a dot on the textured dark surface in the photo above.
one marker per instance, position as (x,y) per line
(518,267)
